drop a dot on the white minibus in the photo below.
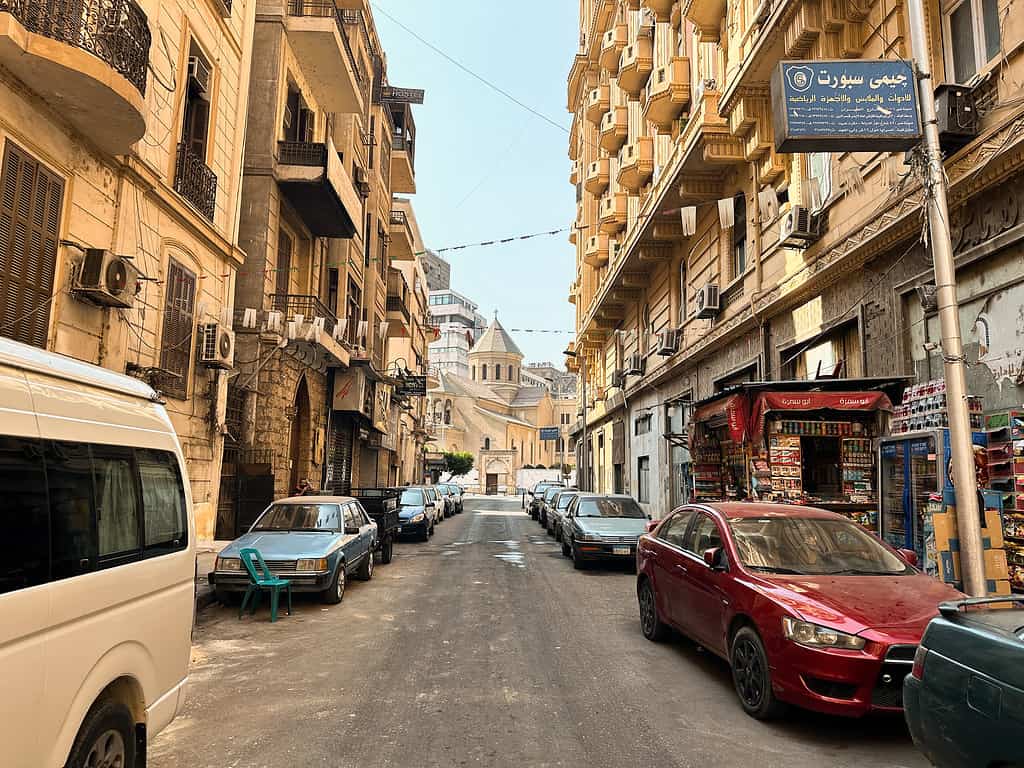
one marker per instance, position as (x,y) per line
(97,564)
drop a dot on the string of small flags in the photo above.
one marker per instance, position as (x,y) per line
(503,241)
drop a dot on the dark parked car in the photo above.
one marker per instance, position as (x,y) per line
(454,495)
(557,509)
(964,698)
(602,527)
(315,542)
(537,495)
(808,607)
(417,513)
(549,494)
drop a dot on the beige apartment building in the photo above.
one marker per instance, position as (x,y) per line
(328,142)
(121,136)
(822,271)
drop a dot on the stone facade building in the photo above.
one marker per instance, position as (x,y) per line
(121,136)
(671,110)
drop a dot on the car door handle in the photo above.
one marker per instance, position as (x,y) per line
(681,567)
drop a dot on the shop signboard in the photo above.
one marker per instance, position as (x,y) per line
(845,105)
(733,409)
(549,433)
(412,386)
(350,391)
(815,401)
(381,408)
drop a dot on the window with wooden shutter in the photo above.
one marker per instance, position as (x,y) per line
(31,199)
(176,342)
(284,264)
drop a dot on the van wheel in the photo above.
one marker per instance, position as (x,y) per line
(335,593)
(107,737)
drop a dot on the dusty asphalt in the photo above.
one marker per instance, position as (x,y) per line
(483,647)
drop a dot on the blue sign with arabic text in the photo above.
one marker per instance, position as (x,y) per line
(550,433)
(845,105)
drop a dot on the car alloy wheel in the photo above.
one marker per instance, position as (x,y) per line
(107,751)
(751,676)
(651,626)
(339,589)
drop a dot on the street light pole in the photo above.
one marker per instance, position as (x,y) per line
(972,563)
(585,458)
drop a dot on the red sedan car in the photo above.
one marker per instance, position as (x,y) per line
(808,608)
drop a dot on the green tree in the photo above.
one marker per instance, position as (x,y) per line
(459,463)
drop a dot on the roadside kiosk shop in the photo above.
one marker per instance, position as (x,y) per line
(800,442)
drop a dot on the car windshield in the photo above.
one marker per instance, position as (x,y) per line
(300,517)
(812,547)
(609,508)
(550,493)
(411,499)
(564,499)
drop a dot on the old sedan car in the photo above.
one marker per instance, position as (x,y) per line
(545,504)
(557,509)
(537,496)
(602,527)
(964,698)
(808,607)
(315,542)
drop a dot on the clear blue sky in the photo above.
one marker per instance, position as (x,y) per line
(470,137)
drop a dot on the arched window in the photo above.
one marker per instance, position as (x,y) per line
(497,372)
(487,441)
(447,411)
(511,373)
(474,373)
(437,411)
(483,370)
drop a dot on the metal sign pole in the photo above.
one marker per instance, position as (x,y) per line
(972,562)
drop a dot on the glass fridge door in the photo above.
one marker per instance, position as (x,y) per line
(924,481)
(893,473)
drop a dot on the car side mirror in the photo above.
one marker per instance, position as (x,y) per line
(651,525)
(715,558)
(351,530)
(909,555)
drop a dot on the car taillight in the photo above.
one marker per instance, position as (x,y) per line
(918,669)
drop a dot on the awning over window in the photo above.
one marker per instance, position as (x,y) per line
(731,410)
(815,401)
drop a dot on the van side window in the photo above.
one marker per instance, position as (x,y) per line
(24,520)
(72,517)
(163,502)
(118,522)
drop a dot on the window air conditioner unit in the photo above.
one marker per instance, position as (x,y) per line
(107,279)
(217,348)
(708,301)
(618,379)
(957,115)
(634,365)
(668,343)
(799,228)
(362,182)
(199,76)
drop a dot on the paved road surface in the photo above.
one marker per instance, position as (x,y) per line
(483,647)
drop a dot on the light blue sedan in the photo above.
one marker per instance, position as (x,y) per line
(316,542)
(602,527)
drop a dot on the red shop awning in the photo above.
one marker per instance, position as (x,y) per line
(732,409)
(816,401)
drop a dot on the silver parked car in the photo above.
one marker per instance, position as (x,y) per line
(602,527)
(557,508)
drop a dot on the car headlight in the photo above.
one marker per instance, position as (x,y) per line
(417,518)
(228,564)
(815,636)
(584,536)
(315,564)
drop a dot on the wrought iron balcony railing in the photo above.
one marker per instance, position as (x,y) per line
(194,181)
(309,306)
(302,153)
(326,9)
(114,31)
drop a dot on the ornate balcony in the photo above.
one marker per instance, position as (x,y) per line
(194,181)
(636,163)
(615,39)
(596,252)
(598,176)
(636,65)
(403,164)
(707,15)
(574,173)
(598,103)
(88,59)
(310,326)
(668,93)
(614,128)
(314,181)
(399,317)
(613,212)
(662,9)
(316,31)
(403,242)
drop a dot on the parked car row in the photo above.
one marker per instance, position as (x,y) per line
(318,542)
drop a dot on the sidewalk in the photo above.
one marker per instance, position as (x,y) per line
(206,556)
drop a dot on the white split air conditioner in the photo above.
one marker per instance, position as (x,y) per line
(668,343)
(799,228)
(634,365)
(108,279)
(199,76)
(217,346)
(708,301)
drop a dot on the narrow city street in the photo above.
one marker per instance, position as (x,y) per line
(483,647)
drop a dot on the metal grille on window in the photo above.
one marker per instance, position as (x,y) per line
(176,343)
(31,199)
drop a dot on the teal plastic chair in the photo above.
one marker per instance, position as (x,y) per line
(262,580)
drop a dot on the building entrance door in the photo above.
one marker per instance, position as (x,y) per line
(492,484)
